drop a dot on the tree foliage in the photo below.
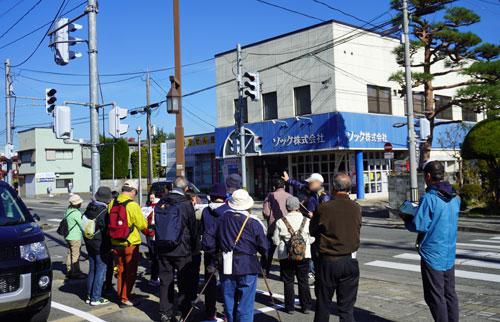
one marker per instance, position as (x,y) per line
(134,160)
(121,158)
(162,136)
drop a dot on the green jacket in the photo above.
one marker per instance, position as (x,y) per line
(74,218)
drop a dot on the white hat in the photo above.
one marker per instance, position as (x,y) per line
(240,200)
(75,200)
(315,177)
(132,184)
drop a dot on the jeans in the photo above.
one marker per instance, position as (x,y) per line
(186,283)
(95,279)
(289,270)
(245,286)
(439,293)
(340,275)
(73,256)
(127,260)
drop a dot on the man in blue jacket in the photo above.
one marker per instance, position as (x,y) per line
(243,236)
(436,221)
(313,187)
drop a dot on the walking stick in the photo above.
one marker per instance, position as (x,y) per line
(270,294)
(198,299)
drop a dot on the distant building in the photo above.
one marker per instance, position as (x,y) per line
(326,106)
(49,164)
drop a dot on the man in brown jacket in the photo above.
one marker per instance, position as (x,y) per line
(336,224)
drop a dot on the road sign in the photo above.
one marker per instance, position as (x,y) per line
(388,147)
(163,154)
(389,155)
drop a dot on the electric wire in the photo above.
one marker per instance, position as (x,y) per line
(20,19)
(11,8)
(342,12)
(290,10)
(77,84)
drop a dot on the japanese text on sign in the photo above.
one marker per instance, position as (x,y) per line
(298,139)
(362,136)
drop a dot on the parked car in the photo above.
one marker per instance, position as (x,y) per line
(158,188)
(25,266)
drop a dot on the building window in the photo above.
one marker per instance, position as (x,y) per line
(244,109)
(468,114)
(302,97)
(63,183)
(52,155)
(270,103)
(379,100)
(27,156)
(441,101)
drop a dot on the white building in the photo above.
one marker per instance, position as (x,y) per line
(326,106)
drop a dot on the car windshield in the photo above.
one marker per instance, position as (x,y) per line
(11,212)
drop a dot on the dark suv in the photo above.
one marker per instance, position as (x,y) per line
(25,267)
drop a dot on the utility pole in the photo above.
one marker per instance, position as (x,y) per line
(139,193)
(239,117)
(179,129)
(8,124)
(409,104)
(93,93)
(148,132)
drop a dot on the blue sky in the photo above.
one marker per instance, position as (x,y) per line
(138,35)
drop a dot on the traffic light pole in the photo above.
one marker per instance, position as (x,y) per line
(148,132)
(8,125)
(409,104)
(239,116)
(93,93)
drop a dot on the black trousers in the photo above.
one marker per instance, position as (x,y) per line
(267,262)
(289,270)
(439,293)
(168,266)
(211,289)
(342,276)
(153,257)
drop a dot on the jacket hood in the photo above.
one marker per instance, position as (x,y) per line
(444,190)
(175,197)
(215,205)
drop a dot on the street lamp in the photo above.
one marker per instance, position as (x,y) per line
(139,131)
(173,97)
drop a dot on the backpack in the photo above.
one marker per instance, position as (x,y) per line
(118,225)
(63,229)
(89,225)
(296,245)
(168,225)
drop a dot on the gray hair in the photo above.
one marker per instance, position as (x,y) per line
(292,203)
(180,183)
(342,183)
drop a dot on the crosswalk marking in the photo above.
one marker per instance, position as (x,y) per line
(498,237)
(486,241)
(458,261)
(478,254)
(468,245)
(416,268)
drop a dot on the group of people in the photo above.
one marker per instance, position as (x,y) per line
(318,235)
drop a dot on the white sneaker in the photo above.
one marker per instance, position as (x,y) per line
(102,301)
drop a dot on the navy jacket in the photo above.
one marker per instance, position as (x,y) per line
(313,198)
(209,220)
(436,221)
(253,240)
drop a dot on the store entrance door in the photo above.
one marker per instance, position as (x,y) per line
(266,169)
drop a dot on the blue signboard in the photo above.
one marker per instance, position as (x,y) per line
(336,130)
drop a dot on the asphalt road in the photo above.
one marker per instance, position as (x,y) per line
(390,285)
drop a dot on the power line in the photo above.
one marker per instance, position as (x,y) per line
(41,27)
(11,8)
(342,12)
(43,38)
(77,84)
(290,10)
(21,18)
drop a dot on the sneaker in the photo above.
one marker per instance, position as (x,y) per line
(101,301)
(311,278)
(125,304)
(87,300)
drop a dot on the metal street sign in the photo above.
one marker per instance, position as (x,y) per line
(388,155)
(163,154)
(388,147)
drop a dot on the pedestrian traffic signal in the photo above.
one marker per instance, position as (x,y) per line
(62,122)
(252,85)
(116,129)
(50,100)
(61,41)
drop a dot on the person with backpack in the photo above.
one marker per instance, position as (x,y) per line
(73,235)
(126,221)
(209,218)
(176,239)
(240,236)
(98,244)
(150,238)
(293,241)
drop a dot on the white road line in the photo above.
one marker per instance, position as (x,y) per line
(497,237)
(416,268)
(486,241)
(55,219)
(458,261)
(467,245)
(84,315)
(476,254)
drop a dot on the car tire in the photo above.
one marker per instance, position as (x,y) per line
(42,314)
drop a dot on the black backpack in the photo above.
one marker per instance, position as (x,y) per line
(168,225)
(63,228)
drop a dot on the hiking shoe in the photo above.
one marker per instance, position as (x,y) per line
(101,301)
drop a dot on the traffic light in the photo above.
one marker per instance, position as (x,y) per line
(62,122)
(423,128)
(116,129)
(50,100)
(252,86)
(62,41)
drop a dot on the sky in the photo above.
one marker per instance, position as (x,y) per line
(137,36)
